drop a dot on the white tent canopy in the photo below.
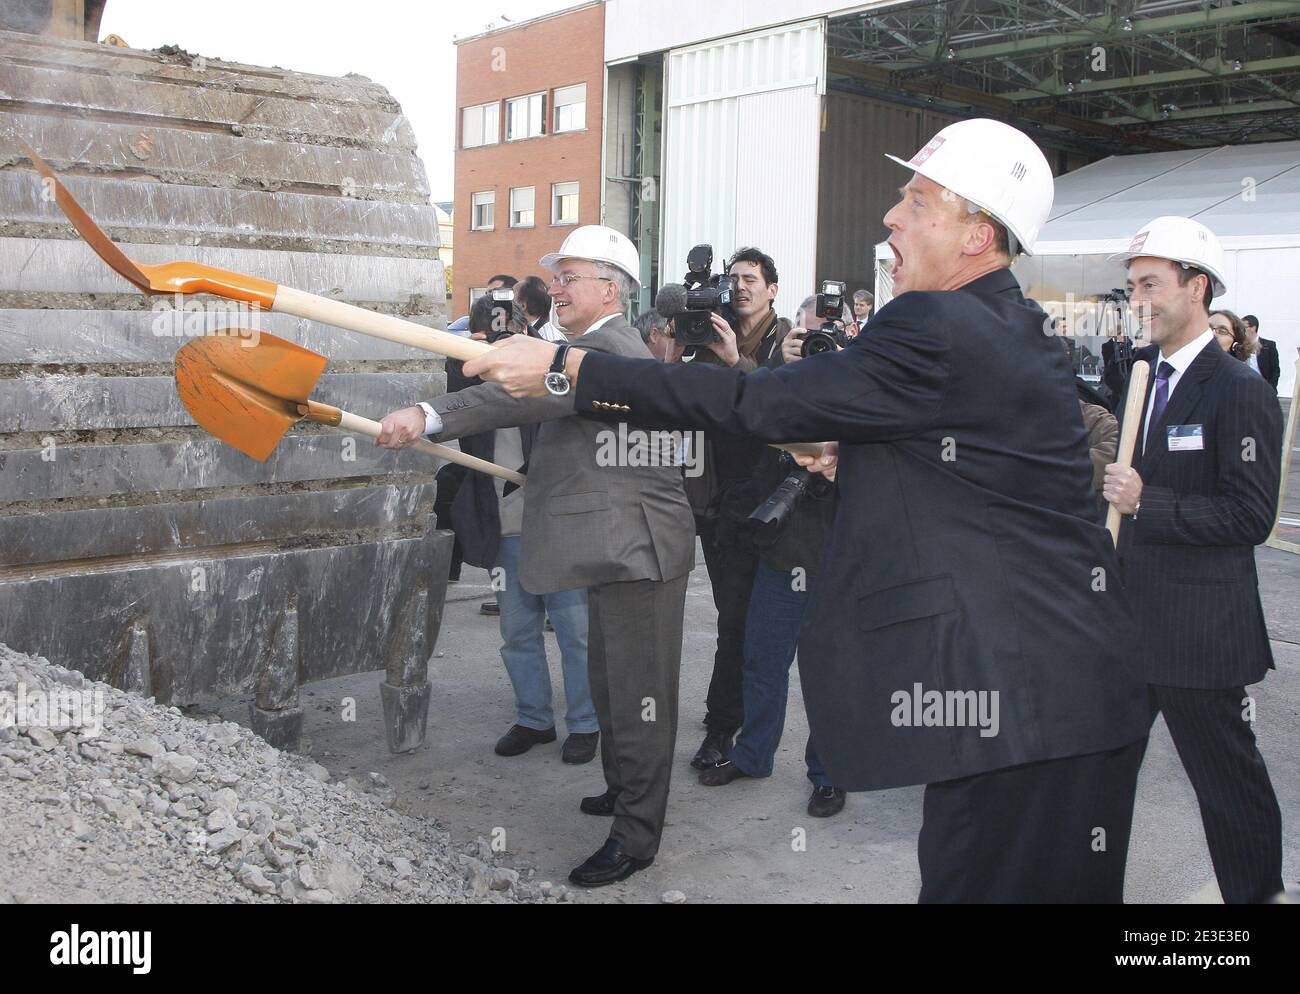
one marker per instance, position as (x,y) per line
(1248,195)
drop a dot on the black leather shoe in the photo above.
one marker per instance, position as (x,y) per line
(519,740)
(491,608)
(826,801)
(721,774)
(608,865)
(713,750)
(600,804)
(580,747)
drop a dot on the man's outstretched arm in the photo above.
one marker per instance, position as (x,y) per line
(886,385)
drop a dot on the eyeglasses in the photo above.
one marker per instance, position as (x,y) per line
(566,278)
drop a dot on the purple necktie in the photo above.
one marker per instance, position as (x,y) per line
(1159,401)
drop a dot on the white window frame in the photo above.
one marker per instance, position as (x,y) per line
(474,293)
(535,104)
(563,101)
(531,209)
(475,203)
(489,135)
(559,190)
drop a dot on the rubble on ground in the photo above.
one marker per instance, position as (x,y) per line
(133,801)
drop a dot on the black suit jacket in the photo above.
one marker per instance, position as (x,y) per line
(475,511)
(1189,555)
(1270,365)
(964,556)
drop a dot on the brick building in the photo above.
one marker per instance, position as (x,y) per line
(528,150)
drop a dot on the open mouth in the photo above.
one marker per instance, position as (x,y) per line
(898,261)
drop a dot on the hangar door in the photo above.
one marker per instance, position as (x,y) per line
(742,119)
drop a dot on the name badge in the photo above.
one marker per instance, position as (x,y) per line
(1185,437)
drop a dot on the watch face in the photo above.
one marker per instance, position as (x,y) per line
(557,383)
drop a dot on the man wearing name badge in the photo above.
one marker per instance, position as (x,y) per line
(964,571)
(623,530)
(1200,495)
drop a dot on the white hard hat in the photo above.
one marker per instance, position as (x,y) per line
(994,166)
(1181,240)
(597,243)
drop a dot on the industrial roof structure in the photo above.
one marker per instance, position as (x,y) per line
(1109,76)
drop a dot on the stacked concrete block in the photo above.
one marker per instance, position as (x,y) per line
(134,546)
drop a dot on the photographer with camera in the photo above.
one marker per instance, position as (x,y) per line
(824,323)
(789,529)
(487,516)
(738,327)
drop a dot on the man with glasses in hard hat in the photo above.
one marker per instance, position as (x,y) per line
(952,640)
(623,531)
(1200,495)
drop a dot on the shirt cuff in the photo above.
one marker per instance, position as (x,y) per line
(432,422)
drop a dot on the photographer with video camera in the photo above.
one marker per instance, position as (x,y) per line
(789,529)
(487,516)
(726,320)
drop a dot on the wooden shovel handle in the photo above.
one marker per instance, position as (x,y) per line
(1138,376)
(801,448)
(364,426)
(341,315)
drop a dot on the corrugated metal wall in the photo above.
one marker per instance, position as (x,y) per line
(741,120)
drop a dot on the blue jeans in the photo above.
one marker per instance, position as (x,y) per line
(771,637)
(523,647)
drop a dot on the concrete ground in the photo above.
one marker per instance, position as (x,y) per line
(738,843)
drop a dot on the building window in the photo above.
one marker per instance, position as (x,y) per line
(571,108)
(564,203)
(474,293)
(480,125)
(521,207)
(482,214)
(524,117)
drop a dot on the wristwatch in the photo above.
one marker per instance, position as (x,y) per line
(1137,506)
(556,380)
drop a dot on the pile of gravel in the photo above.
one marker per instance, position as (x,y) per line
(162,807)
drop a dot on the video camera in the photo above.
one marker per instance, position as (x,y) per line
(702,292)
(829,335)
(503,305)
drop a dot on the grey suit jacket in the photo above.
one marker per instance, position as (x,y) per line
(586,522)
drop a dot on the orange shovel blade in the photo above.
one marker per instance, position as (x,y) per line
(165,277)
(246,395)
(87,228)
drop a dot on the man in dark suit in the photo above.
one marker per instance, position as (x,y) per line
(964,572)
(1202,493)
(622,528)
(1265,360)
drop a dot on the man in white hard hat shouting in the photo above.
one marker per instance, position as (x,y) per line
(1201,494)
(623,531)
(953,639)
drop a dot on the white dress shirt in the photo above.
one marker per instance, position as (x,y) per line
(1180,360)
